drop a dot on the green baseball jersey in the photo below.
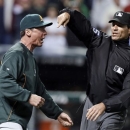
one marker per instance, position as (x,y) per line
(19,79)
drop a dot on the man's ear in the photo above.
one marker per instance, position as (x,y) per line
(28,32)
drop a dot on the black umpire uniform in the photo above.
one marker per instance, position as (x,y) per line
(108,75)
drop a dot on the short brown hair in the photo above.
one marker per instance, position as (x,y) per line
(22,33)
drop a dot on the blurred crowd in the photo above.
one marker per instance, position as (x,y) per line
(97,11)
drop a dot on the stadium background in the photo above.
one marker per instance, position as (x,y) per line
(62,63)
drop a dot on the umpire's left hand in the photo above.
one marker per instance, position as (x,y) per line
(95,111)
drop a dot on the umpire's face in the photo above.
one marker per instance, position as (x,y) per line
(119,31)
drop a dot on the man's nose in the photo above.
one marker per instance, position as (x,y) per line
(45,32)
(115,26)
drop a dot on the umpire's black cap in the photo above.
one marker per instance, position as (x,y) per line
(33,21)
(121,17)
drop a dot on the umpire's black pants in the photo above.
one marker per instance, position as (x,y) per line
(107,121)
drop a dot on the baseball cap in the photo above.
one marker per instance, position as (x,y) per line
(121,17)
(33,21)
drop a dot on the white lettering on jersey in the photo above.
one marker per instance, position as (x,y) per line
(96,31)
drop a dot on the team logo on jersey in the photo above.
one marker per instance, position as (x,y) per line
(120,14)
(118,69)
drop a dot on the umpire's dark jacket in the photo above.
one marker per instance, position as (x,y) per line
(18,80)
(108,66)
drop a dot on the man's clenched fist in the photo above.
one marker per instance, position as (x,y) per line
(36,101)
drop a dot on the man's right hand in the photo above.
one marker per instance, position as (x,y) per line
(63,19)
(36,101)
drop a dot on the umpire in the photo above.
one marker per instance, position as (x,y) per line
(108,75)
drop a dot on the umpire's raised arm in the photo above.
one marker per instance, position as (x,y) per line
(77,23)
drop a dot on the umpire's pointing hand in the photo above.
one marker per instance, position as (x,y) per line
(36,101)
(63,19)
